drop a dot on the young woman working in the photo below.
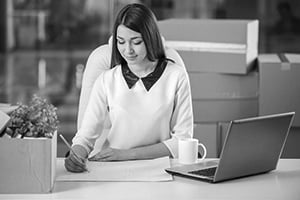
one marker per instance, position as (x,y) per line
(146,96)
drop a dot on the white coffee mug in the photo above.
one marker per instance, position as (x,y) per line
(188,150)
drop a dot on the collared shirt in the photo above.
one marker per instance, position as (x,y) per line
(140,114)
(149,80)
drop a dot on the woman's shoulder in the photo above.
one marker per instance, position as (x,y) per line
(174,68)
(110,73)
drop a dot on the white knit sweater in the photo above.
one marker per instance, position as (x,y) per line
(139,117)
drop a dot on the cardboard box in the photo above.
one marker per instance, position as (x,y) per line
(4,119)
(223,86)
(210,45)
(223,110)
(208,134)
(279,85)
(27,165)
(7,108)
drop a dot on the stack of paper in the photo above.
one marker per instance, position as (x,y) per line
(137,170)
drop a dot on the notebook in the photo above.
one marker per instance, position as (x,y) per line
(252,146)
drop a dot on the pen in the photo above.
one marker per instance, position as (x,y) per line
(70,148)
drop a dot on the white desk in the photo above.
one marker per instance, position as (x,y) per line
(283,183)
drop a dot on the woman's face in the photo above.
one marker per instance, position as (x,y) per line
(131,45)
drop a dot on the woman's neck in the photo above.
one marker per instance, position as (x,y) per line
(142,70)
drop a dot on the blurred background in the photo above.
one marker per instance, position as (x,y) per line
(44,44)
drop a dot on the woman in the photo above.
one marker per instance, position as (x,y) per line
(145,95)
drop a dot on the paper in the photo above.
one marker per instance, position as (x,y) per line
(138,170)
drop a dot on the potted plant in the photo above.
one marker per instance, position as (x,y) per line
(28,153)
(38,119)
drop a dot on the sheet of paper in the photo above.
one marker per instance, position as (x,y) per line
(138,170)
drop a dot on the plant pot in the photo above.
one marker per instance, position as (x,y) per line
(27,164)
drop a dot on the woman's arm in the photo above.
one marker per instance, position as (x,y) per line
(182,122)
(98,62)
(139,153)
(90,129)
(94,117)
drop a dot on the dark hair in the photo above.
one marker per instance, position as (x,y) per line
(139,18)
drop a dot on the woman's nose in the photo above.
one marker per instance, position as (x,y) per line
(129,49)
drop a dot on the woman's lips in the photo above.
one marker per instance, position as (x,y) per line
(130,57)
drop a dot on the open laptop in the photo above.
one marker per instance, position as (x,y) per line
(252,146)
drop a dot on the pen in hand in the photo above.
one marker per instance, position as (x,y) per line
(71,150)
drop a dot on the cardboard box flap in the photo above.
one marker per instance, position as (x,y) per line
(268,58)
(285,60)
(4,119)
(293,58)
(207,46)
(279,58)
(7,108)
(285,64)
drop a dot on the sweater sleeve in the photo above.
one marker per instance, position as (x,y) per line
(98,62)
(94,116)
(182,117)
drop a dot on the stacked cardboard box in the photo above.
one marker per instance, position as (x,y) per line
(279,91)
(219,56)
(222,46)
(224,97)
(220,98)
(207,133)
(279,84)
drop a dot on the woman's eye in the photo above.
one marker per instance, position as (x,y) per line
(121,42)
(137,42)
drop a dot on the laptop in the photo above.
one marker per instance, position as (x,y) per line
(252,146)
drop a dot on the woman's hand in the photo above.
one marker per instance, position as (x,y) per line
(110,154)
(76,163)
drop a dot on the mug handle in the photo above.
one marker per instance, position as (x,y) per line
(204,151)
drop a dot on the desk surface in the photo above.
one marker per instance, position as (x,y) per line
(282,183)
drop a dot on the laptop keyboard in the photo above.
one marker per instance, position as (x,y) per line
(205,172)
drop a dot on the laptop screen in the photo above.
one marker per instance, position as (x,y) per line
(253,145)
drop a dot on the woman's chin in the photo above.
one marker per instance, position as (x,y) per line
(131,62)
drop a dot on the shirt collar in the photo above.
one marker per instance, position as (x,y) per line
(149,80)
